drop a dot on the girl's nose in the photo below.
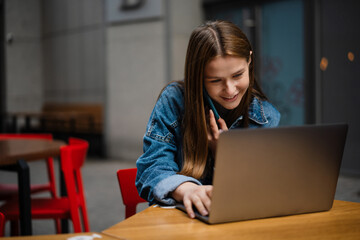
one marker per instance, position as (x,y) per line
(229,87)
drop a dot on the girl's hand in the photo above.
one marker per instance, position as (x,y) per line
(192,194)
(214,131)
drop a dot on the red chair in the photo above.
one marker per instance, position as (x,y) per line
(11,190)
(2,223)
(129,194)
(72,159)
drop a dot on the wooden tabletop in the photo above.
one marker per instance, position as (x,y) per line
(72,236)
(11,150)
(341,222)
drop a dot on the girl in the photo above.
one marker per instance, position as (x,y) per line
(181,135)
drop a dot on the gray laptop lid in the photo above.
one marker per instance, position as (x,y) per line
(271,172)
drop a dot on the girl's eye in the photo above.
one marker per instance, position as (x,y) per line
(237,75)
(215,81)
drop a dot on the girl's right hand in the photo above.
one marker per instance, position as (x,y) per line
(214,131)
(192,194)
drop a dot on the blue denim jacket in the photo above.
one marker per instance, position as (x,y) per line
(162,159)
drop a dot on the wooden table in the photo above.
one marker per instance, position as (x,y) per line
(341,222)
(14,155)
(65,237)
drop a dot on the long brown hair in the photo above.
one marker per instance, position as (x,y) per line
(212,39)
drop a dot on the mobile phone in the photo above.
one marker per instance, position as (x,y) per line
(210,103)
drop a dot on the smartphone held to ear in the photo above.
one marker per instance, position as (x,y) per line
(210,103)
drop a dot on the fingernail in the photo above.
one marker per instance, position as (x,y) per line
(192,215)
(204,213)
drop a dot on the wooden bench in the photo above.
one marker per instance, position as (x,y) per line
(75,118)
(84,120)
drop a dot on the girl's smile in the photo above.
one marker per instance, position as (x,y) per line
(230,99)
(226,80)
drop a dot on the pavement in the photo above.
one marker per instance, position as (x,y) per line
(105,207)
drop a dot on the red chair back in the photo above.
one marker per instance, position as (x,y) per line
(2,224)
(129,194)
(72,159)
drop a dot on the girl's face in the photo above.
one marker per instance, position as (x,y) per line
(226,80)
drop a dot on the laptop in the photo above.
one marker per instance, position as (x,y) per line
(269,172)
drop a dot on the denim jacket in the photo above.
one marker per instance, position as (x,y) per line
(158,166)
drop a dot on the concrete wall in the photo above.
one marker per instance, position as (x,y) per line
(136,73)
(141,58)
(24,88)
(183,17)
(57,53)
(74,51)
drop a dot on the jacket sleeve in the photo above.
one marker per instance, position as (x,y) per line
(158,166)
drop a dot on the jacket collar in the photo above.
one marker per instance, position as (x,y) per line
(256,113)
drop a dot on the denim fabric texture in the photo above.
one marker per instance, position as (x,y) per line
(162,144)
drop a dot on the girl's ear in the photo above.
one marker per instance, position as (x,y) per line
(249,61)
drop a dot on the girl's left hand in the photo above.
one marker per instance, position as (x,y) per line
(214,131)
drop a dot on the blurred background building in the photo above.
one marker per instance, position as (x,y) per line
(120,53)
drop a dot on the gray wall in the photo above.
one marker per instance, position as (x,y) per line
(136,73)
(57,53)
(24,69)
(73,51)
(183,17)
(142,57)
